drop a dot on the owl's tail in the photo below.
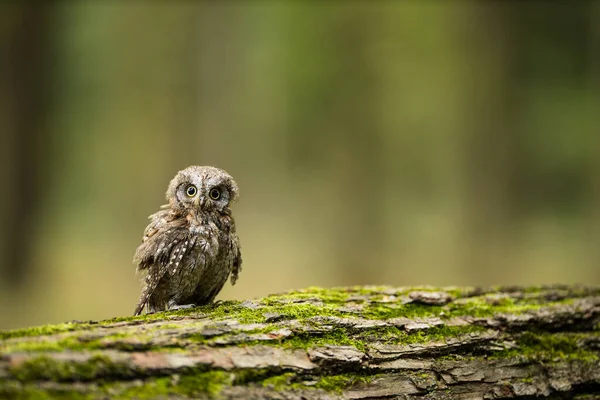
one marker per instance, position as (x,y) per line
(141,302)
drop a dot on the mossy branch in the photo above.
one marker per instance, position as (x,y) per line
(353,343)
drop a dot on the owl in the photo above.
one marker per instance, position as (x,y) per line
(190,247)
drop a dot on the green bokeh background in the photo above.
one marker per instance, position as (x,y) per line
(374,142)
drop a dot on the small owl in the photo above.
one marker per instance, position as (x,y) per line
(190,247)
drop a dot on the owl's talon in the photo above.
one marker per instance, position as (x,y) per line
(181,307)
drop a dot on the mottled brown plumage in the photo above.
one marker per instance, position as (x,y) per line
(190,247)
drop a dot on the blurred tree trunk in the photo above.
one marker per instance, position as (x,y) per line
(26,68)
(220,73)
(356,137)
(336,130)
(490,132)
(594,83)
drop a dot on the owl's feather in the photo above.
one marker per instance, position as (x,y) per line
(237,267)
(160,252)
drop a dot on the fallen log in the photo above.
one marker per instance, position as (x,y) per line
(343,343)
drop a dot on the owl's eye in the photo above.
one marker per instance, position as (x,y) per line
(214,193)
(191,191)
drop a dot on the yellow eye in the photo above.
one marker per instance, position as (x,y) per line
(191,191)
(214,193)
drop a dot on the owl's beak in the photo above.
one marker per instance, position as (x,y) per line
(200,201)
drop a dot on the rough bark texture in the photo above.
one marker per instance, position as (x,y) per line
(348,343)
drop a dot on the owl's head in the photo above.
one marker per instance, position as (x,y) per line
(202,189)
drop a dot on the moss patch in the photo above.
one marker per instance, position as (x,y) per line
(486,307)
(46,368)
(193,385)
(339,383)
(549,347)
(335,337)
(283,381)
(41,345)
(384,311)
(335,295)
(42,330)
(33,392)
(438,334)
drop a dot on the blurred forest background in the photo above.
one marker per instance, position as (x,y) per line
(374,142)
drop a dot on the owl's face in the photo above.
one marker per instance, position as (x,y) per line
(202,189)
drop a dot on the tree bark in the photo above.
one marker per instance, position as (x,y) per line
(346,343)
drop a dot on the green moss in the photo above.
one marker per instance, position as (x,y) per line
(34,393)
(45,330)
(68,343)
(280,382)
(152,388)
(479,307)
(473,306)
(300,311)
(118,341)
(393,335)
(165,326)
(438,334)
(360,340)
(379,291)
(483,307)
(144,317)
(549,347)
(334,295)
(210,382)
(191,385)
(243,377)
(459,292)
(336,337)
(288,380)
(384,311)
(42,330)
(53,344)
(557,345)
(338,383)
(47,368)
(72,342)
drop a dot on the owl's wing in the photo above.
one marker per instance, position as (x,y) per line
(165,242)
(153,237)
(237,266)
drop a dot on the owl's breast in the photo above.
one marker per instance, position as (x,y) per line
(217,256)
(204,266)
